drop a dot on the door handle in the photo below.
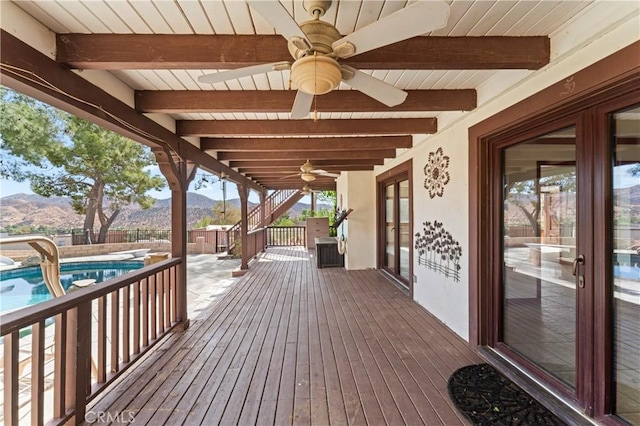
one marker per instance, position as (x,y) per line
(578,261)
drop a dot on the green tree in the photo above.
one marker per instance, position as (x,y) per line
(63,155)
(221,215)
(284,220)
(328,197)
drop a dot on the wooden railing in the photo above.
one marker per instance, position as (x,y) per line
(276,198)
(272,202)
(61,353)
(286,236)
(255,242)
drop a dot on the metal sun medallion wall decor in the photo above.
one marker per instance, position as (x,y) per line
(437,175)
(437,250)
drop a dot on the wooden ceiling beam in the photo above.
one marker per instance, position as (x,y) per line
(340,162)
(306,155)
(190,51)
(295,184)
(293,179)
(191,101)
(390,126)
(299,144)
(321,188)
(290,171)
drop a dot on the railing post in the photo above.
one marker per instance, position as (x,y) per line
(243,192)
(11,343)
(82,382)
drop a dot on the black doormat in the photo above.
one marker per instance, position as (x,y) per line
(486,397)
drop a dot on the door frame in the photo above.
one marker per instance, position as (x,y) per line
(615,77)
(584,244)
(396,173)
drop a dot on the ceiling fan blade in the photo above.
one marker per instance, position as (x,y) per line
(301,105)
(419,18)
(373,87)
(219,77)
(290,176)
(324,173)
(278,16)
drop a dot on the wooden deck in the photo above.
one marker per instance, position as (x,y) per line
(293,344)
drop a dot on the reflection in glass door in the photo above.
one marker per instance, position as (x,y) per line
(562,237)
(390,229)
(539,253)
(395,194)
(404,237)
(626,264)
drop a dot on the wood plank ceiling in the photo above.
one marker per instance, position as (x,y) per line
(160,48)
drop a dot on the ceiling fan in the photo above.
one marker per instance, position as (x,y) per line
(317,45)
(308,172)
(306,190)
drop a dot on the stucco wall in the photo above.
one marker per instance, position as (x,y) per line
(357,191)
(573,49)
(442,288)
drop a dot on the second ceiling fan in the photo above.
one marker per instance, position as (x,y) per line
(317,45)
(308,172)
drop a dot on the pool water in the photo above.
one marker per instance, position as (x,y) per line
(24,286)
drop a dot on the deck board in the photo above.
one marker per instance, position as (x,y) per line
(291,344)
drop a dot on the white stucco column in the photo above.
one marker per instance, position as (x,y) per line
(357,191)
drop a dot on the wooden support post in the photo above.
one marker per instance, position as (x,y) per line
(244,224)
(179,249)
(263,219)
(313,202)
(263,211)
(179,173)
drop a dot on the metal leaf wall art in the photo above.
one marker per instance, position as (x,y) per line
(437,175)
(438,251)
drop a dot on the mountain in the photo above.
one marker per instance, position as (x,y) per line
(56,212)
(34,210)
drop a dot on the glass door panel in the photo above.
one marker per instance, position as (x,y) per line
(404,231)
(626,264)
(390,229)
(539,246)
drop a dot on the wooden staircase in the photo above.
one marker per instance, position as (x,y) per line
(276,204)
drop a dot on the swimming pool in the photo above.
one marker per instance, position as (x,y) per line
(24,286)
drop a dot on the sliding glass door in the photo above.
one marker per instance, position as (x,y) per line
(394,195)
(567,217)
(540,193)
(625,263)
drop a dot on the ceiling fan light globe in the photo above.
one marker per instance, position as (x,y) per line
(316,75)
